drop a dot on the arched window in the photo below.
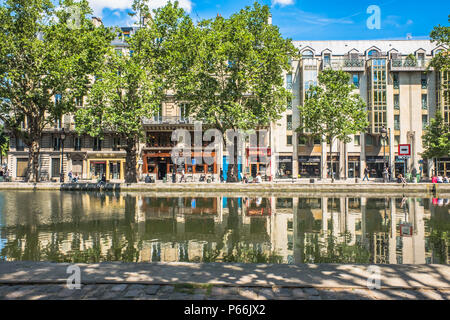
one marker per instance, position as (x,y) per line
(372,52)
(307,54)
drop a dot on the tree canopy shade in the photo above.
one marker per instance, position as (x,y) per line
(132,85)
(45,51)
(441,34)
(230,70)
(332,110)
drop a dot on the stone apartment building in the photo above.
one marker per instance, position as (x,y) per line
(392,76)
(401,94)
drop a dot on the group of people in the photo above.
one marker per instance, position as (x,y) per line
(72,178)
(4,174)
(440,179)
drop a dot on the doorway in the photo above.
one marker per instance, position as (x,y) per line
(162,170)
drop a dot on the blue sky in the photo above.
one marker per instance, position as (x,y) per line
(313,20)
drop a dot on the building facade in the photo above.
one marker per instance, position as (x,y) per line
(401,93)
(393,77)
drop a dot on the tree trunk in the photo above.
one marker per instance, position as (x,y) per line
(130,165)
(331,160)
(33,159)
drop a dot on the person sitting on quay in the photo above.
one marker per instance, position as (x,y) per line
(258,178)
(70,175)
(446,179)
(400,179)
(434,179)
(440,179)
(245,179)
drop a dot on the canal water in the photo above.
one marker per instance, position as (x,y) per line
(134,227)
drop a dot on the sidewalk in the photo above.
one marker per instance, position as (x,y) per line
(186,281)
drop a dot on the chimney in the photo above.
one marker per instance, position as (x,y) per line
(97,21)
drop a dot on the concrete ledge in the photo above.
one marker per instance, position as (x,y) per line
(380,188)
(226,274)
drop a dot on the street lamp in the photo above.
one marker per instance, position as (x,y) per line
(63,137)
(384,136)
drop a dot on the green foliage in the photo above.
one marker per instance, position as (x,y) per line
(441,35)
(43,53)
(331,109)
(4,141)
(230,70)
(436,138)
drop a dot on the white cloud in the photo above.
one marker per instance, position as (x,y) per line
(282,2)
(99,5)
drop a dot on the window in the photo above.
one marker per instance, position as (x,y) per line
(373,53)
(424,102)
(79,101)
(289,81)
(21,167)
(302,140)
(56,143)
(20,146)
(396,122)
(289,104)
(396,101)
(97,144)
(357,140)
(317,140)
(55,167)
(326,59)
(369,140)
(289,122)
(356,80)
(424,121)
(396,82)
(289,140)
(77,143)
(396,141)
(307,54)
(116,144)
(424,81)
(184,111)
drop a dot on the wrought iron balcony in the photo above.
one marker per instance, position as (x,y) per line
(168,120)
(345,64)
(409,64)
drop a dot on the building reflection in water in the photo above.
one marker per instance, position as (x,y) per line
(92,227)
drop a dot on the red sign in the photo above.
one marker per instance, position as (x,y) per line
(258,152)
(404,149)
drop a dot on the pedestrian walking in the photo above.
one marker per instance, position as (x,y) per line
(221,175)
(385,175)
(366,174)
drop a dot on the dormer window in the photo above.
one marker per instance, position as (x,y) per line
(307,54)
(326,58)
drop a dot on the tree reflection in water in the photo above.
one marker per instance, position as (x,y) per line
(96,227)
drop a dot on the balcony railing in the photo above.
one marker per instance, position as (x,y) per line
(355,64)
(168,120)
(409,64)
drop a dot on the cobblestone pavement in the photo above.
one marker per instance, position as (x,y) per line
(207,292)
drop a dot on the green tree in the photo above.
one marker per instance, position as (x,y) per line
(436,139)
(45,51)
(132,85)
(230,70)
(4,143)
(332,110)
(441,35)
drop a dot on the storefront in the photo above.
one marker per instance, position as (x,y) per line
(309,166)
(160,165)
(258,161)
(335,167)
(113,169)
(284,170)
(375,164)
(399,166)
(443,165)
(354,167)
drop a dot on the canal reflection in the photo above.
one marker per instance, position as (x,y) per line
(95,227)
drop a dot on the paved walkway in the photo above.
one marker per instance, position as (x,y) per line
(186,281)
